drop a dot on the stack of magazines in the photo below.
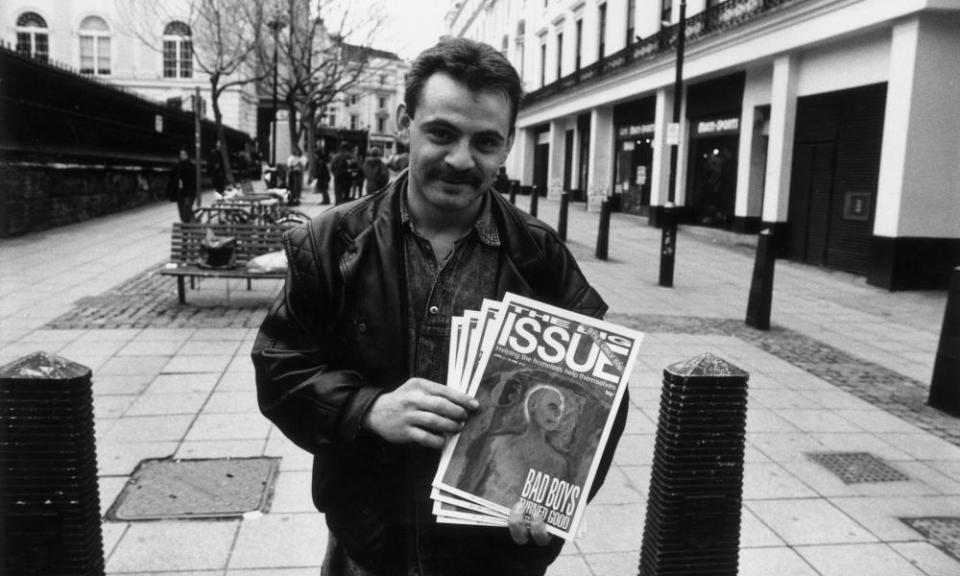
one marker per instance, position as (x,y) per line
(549,383)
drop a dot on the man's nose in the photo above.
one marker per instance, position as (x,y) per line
(460,156)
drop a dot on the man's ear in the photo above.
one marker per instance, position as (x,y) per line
(403,119)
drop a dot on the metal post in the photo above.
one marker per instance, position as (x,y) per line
(669,231)
(945,386)
(50,500)
(761,288)
(696,487)
(564,209)
(275,26)
(534,200)
(603,233)
(514,188)
(196,141)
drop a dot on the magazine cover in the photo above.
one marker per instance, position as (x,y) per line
(549,383)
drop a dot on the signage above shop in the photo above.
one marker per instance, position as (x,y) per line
(635,130)
(718,126)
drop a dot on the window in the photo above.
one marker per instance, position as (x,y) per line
(383,79)
(381,125)
(353,99)
(177,51)
(666,13)
(32,38)
(543,63)
(381,102)
(94,46)
(559,55)
(354,120)
(331,118)
(631,15)
(579,44)
(602,32)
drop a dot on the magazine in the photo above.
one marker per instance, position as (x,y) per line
(549,383)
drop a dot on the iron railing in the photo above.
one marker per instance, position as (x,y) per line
(722,17)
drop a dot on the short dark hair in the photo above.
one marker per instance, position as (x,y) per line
(475,64)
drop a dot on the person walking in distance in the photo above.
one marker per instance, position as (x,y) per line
(182,186)
(217,169)
(351,360)
(344,167)
(375,172)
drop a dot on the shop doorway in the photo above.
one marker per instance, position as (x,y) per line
(634,161)
(712,180)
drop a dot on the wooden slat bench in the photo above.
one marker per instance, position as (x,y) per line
(252,241)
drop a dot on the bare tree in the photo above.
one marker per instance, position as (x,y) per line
(325,51)
(225,38)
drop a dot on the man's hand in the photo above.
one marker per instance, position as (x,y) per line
(419,411)
(523,527)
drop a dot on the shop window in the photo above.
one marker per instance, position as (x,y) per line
(94,46)
(32,38)
(177,51)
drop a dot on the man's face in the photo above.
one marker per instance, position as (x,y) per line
(546,410)
(458,140)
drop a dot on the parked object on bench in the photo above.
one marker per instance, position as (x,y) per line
(270,262)
(218,251)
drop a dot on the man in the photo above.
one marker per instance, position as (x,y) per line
(351,359)
(182,187)
(296,163)
(375,172)
(217,169)
(344,169)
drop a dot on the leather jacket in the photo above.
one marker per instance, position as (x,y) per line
(336,339)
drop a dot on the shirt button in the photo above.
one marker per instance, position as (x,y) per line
(362,327)
(434,309)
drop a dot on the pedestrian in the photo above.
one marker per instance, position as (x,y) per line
(182,186)
(350,362)
(356,190)
(375,172)
(216,169)
(398,162)
(296,163)
(343,166)
(323,177)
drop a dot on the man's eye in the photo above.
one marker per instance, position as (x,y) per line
(440,135)
(487,143)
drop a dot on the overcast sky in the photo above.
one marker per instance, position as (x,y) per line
(410,26)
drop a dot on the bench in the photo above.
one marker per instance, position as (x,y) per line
(252,240)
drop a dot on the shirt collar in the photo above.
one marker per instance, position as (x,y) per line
(485,224)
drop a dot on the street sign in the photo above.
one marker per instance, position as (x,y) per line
(673,134)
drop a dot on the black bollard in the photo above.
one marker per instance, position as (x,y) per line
(514,188)
(945,386)
(534,200)
(696,485)
(603,233)
(761,288)
(562,224)
(50,499)
(668,244)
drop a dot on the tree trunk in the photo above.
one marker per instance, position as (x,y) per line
(218,118)
(309,122)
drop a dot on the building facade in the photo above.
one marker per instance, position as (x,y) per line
(835,123)
(151,58)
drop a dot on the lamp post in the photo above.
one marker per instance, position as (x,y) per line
(668,239)
(275,26)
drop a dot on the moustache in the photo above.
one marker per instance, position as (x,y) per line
(470,177)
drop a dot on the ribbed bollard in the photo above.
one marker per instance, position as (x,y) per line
(761,288)
(696,485)
(534,200)
(564,209)
(945,386)
(603,231)
(49,502)
(514,188)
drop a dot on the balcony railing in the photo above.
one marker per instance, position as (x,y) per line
(724,16)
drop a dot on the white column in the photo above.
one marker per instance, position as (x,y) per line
(601,156)
(522,154)
(919,180)
(660,177)
(783,113)
(751,160)
(557,150)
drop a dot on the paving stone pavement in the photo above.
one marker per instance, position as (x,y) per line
(844,369)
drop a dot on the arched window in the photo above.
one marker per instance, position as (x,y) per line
(32,38)
(94,46)
(177,51)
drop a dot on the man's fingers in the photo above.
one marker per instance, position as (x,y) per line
(426,438)
(515,523)
(538,530)
(435,423)
(459,398)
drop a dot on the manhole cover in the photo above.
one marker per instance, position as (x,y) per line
(942,532)
(164,489)
(857,467)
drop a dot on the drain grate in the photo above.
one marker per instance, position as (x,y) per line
(165,489)
(943,532)
(858,467)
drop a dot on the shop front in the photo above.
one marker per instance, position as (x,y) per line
(633,160)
